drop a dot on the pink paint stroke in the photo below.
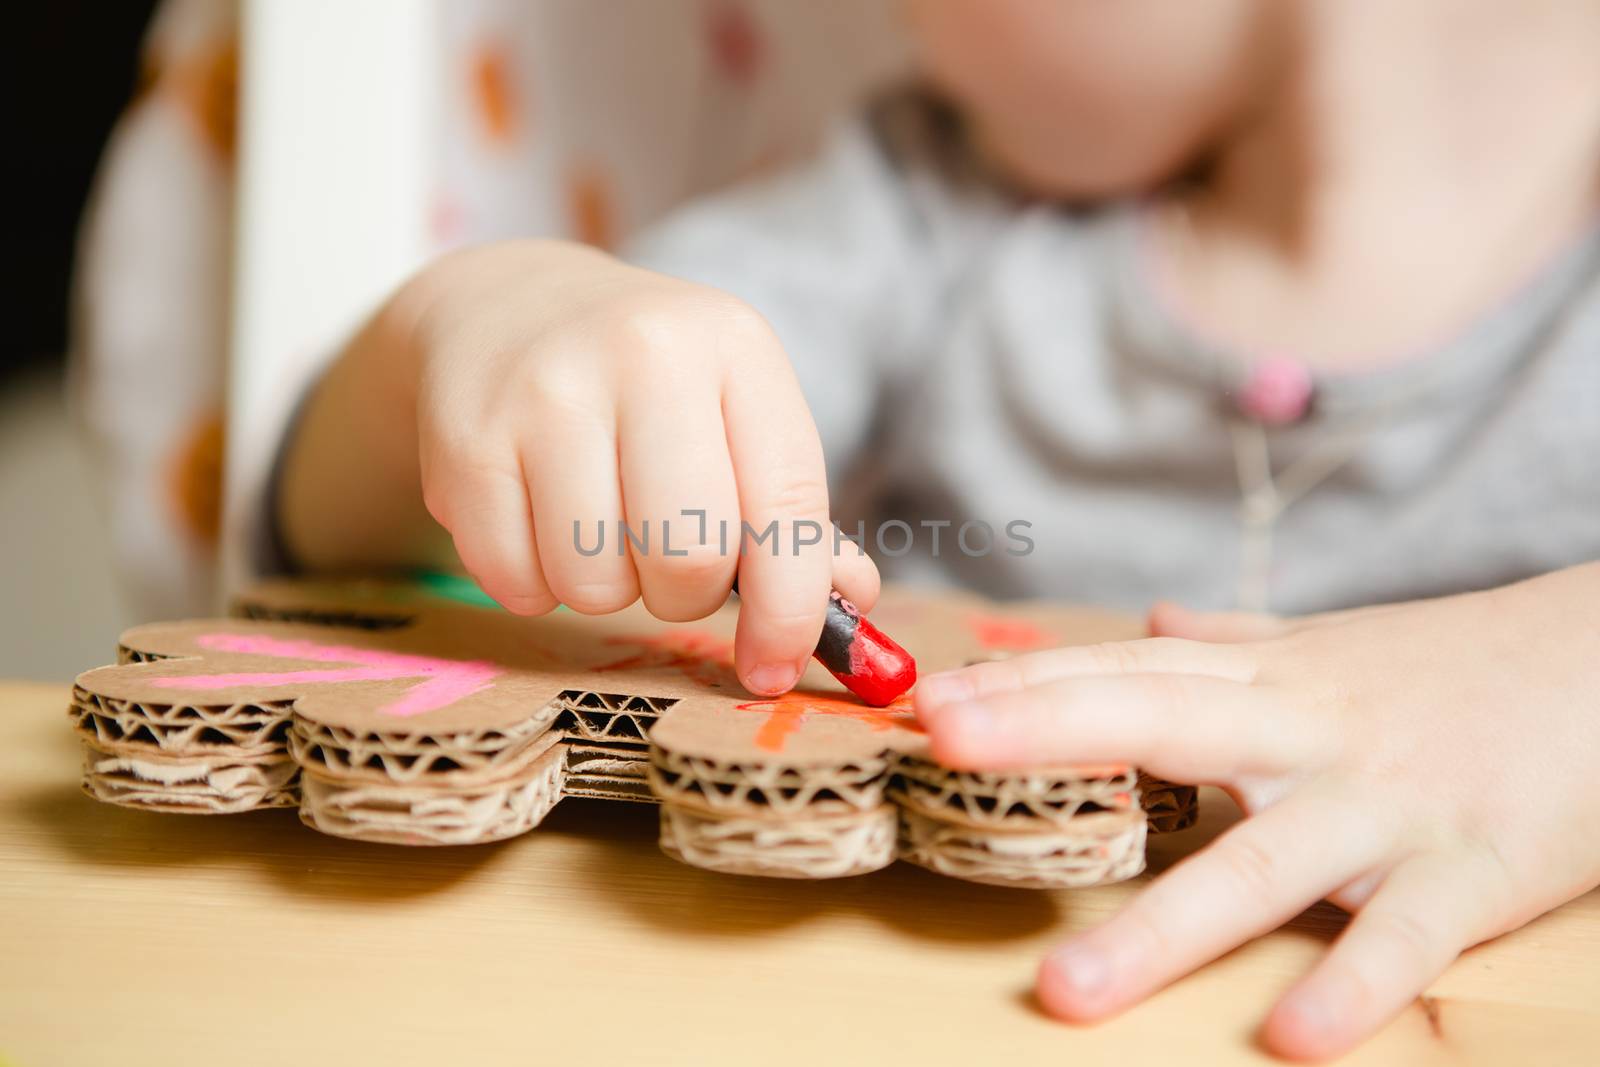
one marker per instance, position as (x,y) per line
(447,680)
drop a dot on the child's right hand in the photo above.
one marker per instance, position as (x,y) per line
(555,385)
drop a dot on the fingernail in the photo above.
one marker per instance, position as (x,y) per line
(1304,1019)
(524,605)
(1313,1015)
(772,678)
(945,688)
(1084,972)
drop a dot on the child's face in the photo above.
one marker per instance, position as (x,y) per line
(1090,98)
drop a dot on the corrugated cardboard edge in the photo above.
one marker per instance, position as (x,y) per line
(1168,806)
(217,784)
(814,819)
(420,815)
(251,728)
(1093,849)
(818,846)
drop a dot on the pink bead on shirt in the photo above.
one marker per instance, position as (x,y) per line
(1277,392)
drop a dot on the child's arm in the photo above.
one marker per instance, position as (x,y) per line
(1433,766)
(514,390)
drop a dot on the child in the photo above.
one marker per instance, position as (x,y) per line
(1287,304)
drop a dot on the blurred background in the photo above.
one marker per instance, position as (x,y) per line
(62,605)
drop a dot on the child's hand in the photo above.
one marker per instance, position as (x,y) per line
(1433,767)
(555,386)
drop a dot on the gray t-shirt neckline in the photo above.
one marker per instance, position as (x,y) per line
(1467,361)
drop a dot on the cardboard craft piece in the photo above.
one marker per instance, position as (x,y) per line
(386,712)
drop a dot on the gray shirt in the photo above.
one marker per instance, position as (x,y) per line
(971,357)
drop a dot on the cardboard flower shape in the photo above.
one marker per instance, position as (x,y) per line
(385,712)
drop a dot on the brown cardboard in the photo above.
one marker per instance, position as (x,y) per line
(218,784)
(389,714)
(1103,847)
(420,815)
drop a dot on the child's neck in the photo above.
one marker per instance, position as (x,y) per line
(1418,161)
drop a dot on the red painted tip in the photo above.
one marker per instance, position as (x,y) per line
(880,670)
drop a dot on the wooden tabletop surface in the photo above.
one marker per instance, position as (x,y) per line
(129,938)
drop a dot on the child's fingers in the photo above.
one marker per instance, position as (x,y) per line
(1186,727)
(570,460)
(784,579)
(1421,917)
(1259,874)
(679,494)
(1153,655)
(855,575)
(487,513)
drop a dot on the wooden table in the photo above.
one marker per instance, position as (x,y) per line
(129,938)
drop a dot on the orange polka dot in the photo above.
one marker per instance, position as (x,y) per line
(206,87)
(493,95)
(194,480)
(589,207)
(734,41)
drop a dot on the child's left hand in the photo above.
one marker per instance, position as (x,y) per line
(1433,767)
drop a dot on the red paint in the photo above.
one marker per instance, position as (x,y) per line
(880,670)
(997,632)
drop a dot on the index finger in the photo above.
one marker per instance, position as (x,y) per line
(1186,727)
(786,566)
(1261,873)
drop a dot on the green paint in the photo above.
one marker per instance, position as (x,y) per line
(457,587)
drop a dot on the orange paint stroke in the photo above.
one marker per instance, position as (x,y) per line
(786,714)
